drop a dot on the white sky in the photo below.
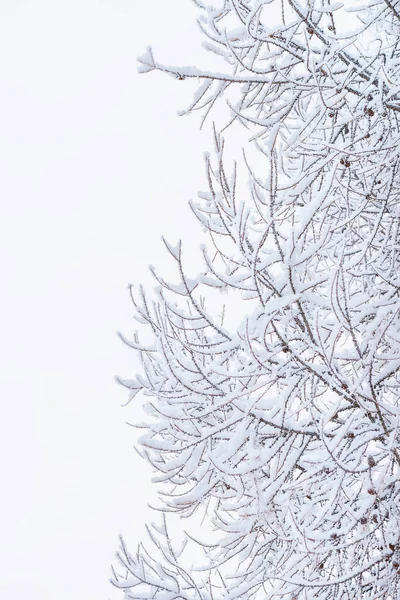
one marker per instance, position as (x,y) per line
(94,166)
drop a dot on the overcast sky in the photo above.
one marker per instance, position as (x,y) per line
(95,166)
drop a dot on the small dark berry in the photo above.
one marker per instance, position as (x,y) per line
(371,461)
(371,491)
(363,520)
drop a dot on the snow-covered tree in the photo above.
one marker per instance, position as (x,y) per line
(282,430)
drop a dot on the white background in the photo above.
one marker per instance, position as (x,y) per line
(95,165)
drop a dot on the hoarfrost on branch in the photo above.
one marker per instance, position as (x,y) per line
(283,431)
